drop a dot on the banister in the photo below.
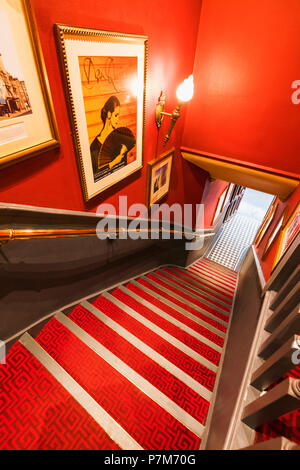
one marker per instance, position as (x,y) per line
(10,234)
(284,308)
(277,365)
(276,443)
(289,327)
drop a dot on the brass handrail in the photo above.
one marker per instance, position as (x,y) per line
(23,234)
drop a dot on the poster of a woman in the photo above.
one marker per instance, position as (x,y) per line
(111,110)
(110,147)
(105,75)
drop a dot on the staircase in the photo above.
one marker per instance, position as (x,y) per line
(132,368)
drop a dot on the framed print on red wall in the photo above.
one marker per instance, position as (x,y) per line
(159,177)
(105,77)
(289,233)
(27,121)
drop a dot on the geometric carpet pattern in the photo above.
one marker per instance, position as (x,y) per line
(236,236)
(133,368)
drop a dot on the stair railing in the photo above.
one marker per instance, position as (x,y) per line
(269,389)
(10,234)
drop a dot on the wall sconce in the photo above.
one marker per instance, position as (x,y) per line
(184,93)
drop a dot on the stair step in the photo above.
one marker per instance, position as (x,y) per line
(134,368)
(194,322)
(175,301)
(38,413)
(170,326)
(166,317)
(208,275)
(174,354)
(103,378)
(203,285)
(216,270)
(184,297)
(198,295)
(148,368)
(195,289)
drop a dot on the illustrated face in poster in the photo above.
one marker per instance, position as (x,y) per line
(105,75)
(110,103)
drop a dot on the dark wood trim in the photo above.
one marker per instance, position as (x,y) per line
(289,327)
(277,365)
(282,399)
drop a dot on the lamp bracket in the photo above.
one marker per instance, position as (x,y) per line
(159,110)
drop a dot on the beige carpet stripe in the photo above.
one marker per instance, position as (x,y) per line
(144,348)
(162,333)
(191,316)
(185,301)
(136,379)
(170,319)
(194,296)
(105,421)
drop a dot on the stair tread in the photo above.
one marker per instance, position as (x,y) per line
(142,361)
(139,415)
(39,414)
(151,370)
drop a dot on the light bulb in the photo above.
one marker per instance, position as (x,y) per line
(185,90)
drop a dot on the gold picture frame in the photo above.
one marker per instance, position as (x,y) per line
(104,75)
(288,233)
(220,204)
(27,120)
(158,177)
(266,223)
(275,232)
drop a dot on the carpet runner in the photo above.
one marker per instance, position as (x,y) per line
(134,368)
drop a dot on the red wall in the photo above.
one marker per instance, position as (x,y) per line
(51,179)
(268,261)
(247,58)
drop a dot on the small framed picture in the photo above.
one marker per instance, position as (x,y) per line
(105,80)
(275,232)
(220,204)
(158,177)
(27,120)
(266,223)
(288,234)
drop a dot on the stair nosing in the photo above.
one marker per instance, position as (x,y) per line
(172,320)
(154,355)
(103,419)
(132,376)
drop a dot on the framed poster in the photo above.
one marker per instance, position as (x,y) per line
(158,177)
(275,232)
(105,75)
(27,121)
(228,194)
(220,204)
(266,222)
(289,233)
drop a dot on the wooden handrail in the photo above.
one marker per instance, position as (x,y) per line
(277,443)
(277,365)
(284,308)
(25,234)
(280,400)
(289,327)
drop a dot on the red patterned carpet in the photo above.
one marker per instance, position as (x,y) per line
(133,369)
